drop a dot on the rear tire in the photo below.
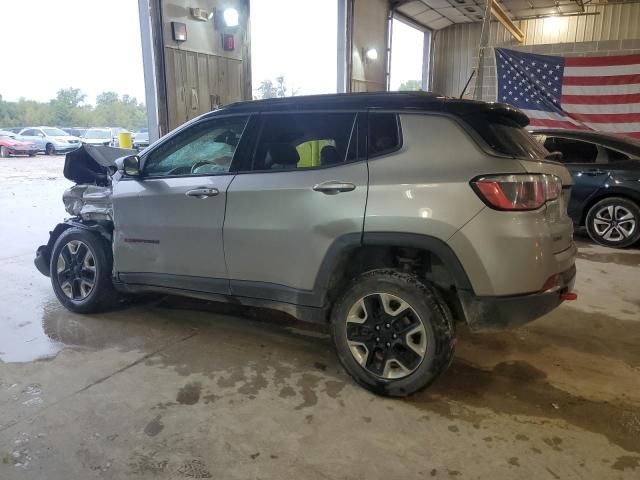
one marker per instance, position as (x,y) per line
(4,152)
(614,222)
(50,149)
(80,271)
(393,332)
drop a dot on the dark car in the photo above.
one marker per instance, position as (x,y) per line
(606,171)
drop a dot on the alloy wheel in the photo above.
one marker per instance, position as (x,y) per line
(386,336)
(76,270)
(614,223)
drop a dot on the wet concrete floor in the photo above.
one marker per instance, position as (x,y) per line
(171,388)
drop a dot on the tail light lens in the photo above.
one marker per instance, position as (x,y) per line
(517,192)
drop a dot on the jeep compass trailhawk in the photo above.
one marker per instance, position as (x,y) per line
(389,216)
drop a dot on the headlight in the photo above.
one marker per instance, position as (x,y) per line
(59,140)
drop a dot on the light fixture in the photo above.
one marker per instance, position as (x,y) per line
(371,54)
(201,14)
(231,17)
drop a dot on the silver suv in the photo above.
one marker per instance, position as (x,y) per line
(388,217)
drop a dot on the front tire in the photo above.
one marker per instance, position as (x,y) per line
(393,332)
(50,149)
(80,270)
(614,222)
(4,152)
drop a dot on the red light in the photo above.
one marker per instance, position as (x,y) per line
(517,192)
(569,296)
(228,42)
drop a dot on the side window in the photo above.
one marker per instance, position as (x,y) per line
(384,134)
(573,151)
(304,140)
(616,156)
(205,148)
(29,133)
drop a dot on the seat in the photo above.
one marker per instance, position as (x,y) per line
(329,156)
(281,156)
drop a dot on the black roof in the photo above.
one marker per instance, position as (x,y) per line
(617,142)
(410,101)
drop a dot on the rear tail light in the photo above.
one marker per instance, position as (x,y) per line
(518,191)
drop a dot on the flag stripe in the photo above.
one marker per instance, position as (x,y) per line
(537,122)
(625,108)
(607,117)
(610,80)
(602,71)
(614,127)
(602,89)
(546,115)
(599,100)
(600,61)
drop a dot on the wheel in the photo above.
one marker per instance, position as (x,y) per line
(4,152)
(80,270)
(394,334)
(32,154)
(50,149)
(614,222)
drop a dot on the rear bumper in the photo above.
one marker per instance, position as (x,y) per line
(498,313)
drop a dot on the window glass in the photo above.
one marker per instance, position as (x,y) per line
(28,133)
(203,149)
(304,140)
(384,134)
(505,136)
(616,156)
(573,151)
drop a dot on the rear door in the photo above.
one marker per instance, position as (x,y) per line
(31,135)
(168,223)
(587,163)
(305,189)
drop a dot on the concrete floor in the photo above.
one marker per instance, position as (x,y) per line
(184,389)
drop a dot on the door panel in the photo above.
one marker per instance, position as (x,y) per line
(278,228)
(160,229)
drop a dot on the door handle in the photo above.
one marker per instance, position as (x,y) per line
(594,171)
(333,187)
(203,192)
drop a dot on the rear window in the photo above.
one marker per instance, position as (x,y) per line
(505,136)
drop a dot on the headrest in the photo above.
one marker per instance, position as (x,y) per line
(329,155)
(281,155)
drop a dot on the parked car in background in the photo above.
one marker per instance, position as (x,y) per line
(606,174)
(10,145)
(75,131)
(115,133)
(50,140)
(340,209)
(141,139)
(98,136)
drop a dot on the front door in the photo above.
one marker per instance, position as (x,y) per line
(168,223)
(305,189)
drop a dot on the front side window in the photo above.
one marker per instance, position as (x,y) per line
(305,140)
(206,148)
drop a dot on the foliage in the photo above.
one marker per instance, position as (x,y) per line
(267,89)
(69,110)
(410,85)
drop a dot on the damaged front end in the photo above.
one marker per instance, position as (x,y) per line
(93,169)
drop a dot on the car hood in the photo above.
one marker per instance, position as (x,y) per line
(93,164)
(99,141)
(65,138)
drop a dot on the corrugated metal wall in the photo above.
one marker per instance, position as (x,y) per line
(615,30)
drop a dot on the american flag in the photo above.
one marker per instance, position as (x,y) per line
(590,93)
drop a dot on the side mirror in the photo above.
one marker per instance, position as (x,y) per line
(131,166)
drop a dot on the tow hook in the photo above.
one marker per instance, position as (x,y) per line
(569,296)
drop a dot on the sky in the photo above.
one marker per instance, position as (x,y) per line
(93,45)
(407,44)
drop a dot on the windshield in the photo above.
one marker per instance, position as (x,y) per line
(55,132)
(505,136)
(97,134)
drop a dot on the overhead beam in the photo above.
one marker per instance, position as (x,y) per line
(506,22)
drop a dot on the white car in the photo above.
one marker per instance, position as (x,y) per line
(50,140)
(98,136)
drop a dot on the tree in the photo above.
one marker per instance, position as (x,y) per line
(267,90)
(280,90)
(410,85)
(63,106)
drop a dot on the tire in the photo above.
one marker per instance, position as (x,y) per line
(425,353)
(32,154)
(49,149)
(4,152)
(83,287)
(614,222)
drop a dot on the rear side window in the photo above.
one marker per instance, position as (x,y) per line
(505,136)
(384,134)
(616,156)
(573,151)
(291,141)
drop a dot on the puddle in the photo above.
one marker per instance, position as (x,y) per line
(630,259)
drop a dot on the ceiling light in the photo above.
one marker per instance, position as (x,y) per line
(231,17)
(371,54)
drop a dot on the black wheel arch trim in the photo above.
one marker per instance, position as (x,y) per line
(43,253)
